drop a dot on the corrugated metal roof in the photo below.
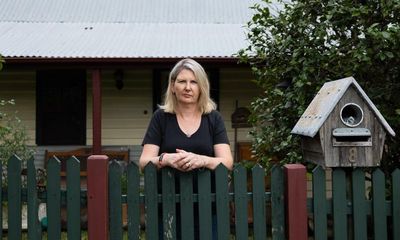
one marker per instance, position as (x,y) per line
(123,28)
(110,40)
(325,101)
(127,11)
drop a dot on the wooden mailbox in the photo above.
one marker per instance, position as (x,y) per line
(342,127)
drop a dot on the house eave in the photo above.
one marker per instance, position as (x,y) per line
(112,62)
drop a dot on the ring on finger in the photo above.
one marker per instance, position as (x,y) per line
(189,164)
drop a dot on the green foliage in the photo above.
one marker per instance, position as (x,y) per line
(309,43)
(13,138)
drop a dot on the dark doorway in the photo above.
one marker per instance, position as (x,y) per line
(61,107)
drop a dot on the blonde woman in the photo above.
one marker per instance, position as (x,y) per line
(187,132)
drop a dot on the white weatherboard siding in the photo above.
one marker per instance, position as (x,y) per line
(123,111)
(20,86)
(126,113)
(236,84)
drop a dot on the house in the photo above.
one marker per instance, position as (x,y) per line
(90,73)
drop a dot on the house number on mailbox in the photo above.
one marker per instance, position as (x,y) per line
(352,154)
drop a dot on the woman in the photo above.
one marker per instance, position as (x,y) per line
(187,132)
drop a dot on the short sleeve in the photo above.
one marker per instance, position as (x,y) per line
(220,135)
(154,131)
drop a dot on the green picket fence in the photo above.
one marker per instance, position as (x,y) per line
(355,211)
(351,213)
(231,197)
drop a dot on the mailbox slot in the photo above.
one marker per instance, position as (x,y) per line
(351,137)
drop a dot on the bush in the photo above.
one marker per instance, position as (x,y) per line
(13,137)
(293,52)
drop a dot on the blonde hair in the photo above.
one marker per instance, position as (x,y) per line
(206,104)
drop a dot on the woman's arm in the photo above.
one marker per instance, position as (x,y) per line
(149,154)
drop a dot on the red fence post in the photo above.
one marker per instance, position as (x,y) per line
(296,201)
(97,192)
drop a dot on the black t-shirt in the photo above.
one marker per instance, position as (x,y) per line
(164,132)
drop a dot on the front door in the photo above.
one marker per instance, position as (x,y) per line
(61,107)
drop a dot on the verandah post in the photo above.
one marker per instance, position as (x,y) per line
(97,192)
(296,201)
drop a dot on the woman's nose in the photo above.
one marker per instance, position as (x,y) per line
(187,87)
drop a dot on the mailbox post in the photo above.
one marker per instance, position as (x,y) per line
(342,127)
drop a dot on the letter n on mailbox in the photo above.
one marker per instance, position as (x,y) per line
(342,127)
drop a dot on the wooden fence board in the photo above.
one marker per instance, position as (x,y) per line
(379,212)
(186,206)
(53,199)
(151,201)
(73,199)
(240,190)
(205,218)
(259,209)
(115,202)
(34,227)
(133,201)
(319,203)
(396,204)
(339,202)
(168,203)
(359,205)
(277,203)
(221,191)
(14,197)
(1,199)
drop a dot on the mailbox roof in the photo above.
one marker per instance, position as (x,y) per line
(325,101)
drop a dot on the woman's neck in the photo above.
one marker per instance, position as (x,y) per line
(187,111)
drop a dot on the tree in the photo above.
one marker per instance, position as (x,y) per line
(307,43)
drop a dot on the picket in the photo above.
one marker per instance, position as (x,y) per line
(53,199)
(115,201)
(73,199)
(187,205)
(14,197)
(133,201)
(204,196)
(396,204)
(359,205)
(222,201)
(34,228)
(277,203)
(240,190)
(319,203)
(379,213)
(339,202)
(168,203)
(151,201)
(259,209)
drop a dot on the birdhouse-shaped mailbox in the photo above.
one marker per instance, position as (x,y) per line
(342,127)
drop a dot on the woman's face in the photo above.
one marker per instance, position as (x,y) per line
(186,87)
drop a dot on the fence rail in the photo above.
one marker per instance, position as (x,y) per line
(192,205)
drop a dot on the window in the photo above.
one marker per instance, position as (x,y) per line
(61,107)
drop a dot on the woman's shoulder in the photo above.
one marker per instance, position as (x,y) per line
(214,115)
(161,114)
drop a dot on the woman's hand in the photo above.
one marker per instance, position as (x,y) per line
(188,161)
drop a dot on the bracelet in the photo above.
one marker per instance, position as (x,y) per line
(161,157)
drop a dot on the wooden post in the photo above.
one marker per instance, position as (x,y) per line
(97,191)
(96,109)
(296,201)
